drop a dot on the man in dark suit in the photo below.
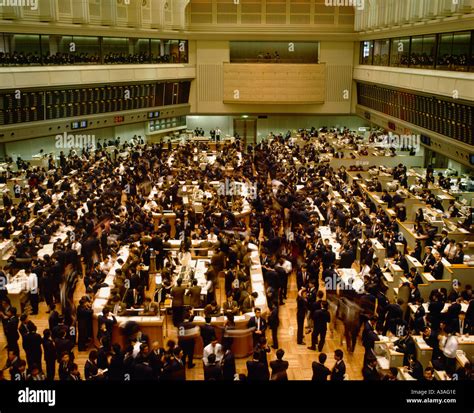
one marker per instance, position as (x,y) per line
(274,322)
(49,354)
(369,372)
(194,293)
(339,370)
(32,346)
(302,277)
(143,371)
(230,305)
(369,337)
(11,331)
(108,320)
(63,345)
(393,312)
(461,326)
(453,311)
(84,323)
(212,371)
(53,319)
(90,250)
(321,319)
(459,255)
(228,366)
(187,334)
(428,260)
(328,257)
(301,310)
(444,241)
(256,370)
(346,258)
(18,371)
(438,268)
(177,294)
(279,367)
(320,371)
(435,308)
(174,368)
(260,325)
(207,332)
(415,294)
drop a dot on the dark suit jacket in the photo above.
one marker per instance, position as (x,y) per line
(338,371)
(456,327)
(11,330)
(49,351)
(109,323)
(195,296)
(279,368)
(228,366)
(143,371)
(273,319)
(253,323)
(212,372)
(321,319)
(453,311)
(232,307)
(300,280)
(207,333)
(174,370)
(458,258)
(369,337)
(428,261)
(394,311)
(320,371)
(437,271)
(256,370)
(178,296)
(347,258)
(370,374)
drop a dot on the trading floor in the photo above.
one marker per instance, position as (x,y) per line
(237,191)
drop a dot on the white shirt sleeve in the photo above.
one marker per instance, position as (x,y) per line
(33,283)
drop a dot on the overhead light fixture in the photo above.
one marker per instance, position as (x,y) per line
(245,116)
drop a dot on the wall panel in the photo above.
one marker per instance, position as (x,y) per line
(274,83)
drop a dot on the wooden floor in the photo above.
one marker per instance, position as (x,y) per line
(298,356)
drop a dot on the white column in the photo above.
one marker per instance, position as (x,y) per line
(80,11)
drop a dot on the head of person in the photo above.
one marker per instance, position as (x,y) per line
(322,358)
(211,358)
(93,355)
(428,373)
(338,354)
(280,353)
(258,312)
(178,352)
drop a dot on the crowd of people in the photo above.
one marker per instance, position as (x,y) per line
(106,205)
(65,58)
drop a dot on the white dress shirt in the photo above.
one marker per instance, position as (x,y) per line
(210,349)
